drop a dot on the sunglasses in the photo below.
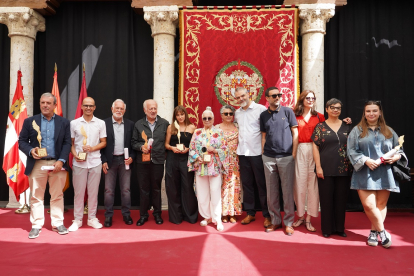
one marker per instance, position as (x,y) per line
(335,108)
(207,118)
(370,102)
(276,95)
(227,113)
(310,98)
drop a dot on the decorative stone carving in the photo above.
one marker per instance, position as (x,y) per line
(23,24)
(22,21)
(162,19)
(313,29)
(315,17)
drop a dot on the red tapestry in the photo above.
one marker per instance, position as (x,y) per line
(221,50)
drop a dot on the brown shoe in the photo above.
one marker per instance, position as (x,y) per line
(233,219)
(289,230)
(248,219)
(225,219)
(267,222)
(272,228)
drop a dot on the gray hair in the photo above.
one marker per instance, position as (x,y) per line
(119,100)
(48,94)
(227,107)
(240,89)
(208,109)
(145,103)
(332,102)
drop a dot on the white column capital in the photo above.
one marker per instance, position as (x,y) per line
(162,19)
(22,21)
(314,17)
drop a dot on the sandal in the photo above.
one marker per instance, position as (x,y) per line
(310,227)
(205,222)
(225,219)
(298,222)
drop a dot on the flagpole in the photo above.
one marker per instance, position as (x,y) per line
(25,208)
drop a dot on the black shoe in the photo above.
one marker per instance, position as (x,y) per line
(141,221)
(34,233)
(342,234)
(158,220)
(326,235)
(61,230)
(108,222)
(128,220)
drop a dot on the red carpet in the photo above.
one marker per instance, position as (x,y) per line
(188,249)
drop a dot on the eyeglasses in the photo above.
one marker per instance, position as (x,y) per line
(276,95)
(207,118)
(310,98)
(338,108)
(88,106)
(227,113)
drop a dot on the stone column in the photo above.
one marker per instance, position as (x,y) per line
(163,21)
(313,30)
(23,24)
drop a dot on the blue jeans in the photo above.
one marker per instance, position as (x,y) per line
(118,168)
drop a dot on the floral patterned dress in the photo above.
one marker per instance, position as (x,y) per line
(202,138)
(230,189)
(332,149)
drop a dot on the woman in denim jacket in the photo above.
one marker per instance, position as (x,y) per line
(367,142)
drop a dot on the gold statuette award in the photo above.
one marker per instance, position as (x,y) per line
(146,157)
(41,152)
(83,155)
(179,145)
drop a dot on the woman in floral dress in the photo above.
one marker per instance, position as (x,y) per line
(332,169)
(230,188)
(208,141)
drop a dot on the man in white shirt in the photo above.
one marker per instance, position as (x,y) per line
(250,156)
(87,173)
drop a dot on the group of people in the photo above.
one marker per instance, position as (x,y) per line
(253,150)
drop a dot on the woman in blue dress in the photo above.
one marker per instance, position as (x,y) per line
(368,142)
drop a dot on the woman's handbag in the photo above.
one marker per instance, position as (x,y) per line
(400,169)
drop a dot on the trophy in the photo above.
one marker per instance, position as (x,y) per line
(146,157)
(206,156)
(179,145)
(83,155)
(41,152)
(391,152)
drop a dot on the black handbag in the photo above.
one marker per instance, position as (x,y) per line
(400,169)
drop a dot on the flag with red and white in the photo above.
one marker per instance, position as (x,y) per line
(14,161)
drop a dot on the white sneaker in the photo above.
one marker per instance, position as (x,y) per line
(75,225)
(94,223)
(220,227)
(205,222)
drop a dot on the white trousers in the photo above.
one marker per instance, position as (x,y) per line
(208,189)
(306,182)
(82,179)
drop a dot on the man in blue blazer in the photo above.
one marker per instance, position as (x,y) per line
(119,133)
(55,137)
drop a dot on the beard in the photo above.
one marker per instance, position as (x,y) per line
(243,104)
(117,116)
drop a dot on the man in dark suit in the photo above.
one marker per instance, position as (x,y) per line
(55,137)
(119,133)
(150,168)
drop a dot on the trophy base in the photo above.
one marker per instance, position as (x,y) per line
(180,147)
(207,158)
(42,152)
(24,210)
(146,157)
(82,156)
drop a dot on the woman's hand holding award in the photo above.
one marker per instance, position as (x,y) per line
(391,153)
(179,146)
(41,152)
(83,155)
